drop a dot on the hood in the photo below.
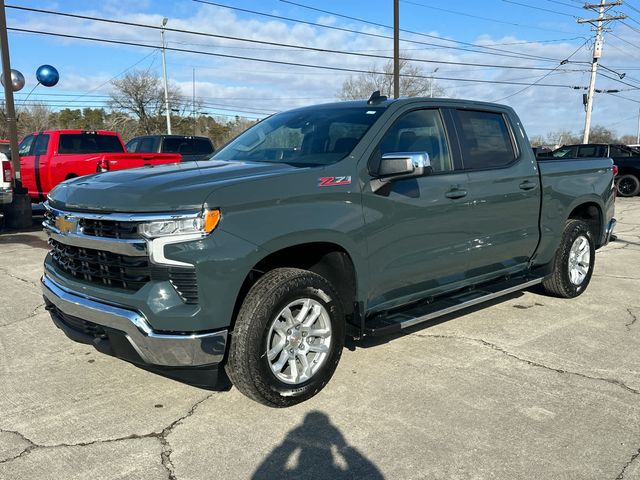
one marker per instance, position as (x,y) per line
(159,188)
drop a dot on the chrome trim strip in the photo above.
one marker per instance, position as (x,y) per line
(125,217)
(154,348)
(134,248)
(470,303)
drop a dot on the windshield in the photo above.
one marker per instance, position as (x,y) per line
(304,137)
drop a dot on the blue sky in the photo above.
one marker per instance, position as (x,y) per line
(230,86)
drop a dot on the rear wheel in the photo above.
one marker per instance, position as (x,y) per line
(574,261)
(288,338)
(628,185)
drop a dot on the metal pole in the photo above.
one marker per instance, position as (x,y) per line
(396,48)
(193,101)
(597,53)
(8,98)
(164,74)
(638,136)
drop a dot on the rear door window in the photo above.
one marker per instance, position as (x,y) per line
(187,146)
(41,145)
(146,145)
(485,139)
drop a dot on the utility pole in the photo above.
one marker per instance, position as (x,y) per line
(164,74)
(598,23)
(18,213)
(396,48)
(638,136)
(193,101)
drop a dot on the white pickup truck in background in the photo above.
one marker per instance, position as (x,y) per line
(6,189)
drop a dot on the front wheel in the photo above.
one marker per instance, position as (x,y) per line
(288,338)
(574,261)
(628,185)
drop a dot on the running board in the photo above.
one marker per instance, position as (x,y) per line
(398,320)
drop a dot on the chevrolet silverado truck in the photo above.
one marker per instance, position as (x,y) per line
(50,157)
(625,159)
(348,219)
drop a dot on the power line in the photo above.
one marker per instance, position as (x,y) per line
(484,18)
(263,60)
(265,42)
(368,22)
(539,8)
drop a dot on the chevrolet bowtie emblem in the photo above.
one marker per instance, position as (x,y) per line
(66,224)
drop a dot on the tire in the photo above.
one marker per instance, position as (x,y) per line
(571,275)
(260,328)
(628,185)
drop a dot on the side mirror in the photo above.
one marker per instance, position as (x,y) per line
(401,165)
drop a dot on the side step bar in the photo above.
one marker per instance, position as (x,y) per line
(395,321)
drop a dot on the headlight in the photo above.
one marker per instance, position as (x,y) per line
(203,223)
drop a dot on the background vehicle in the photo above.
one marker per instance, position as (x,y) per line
(626,158)
(191,148)
(6,187)
(354,218)
(50,157)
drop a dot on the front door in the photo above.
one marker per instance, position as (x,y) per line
(416,229)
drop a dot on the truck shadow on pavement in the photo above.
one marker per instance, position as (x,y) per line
(316,450)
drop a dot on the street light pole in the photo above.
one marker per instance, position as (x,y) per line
(164,74)
(431,81)
(396,49)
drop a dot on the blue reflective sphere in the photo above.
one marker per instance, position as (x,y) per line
(47,75)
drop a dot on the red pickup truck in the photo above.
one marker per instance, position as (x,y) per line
(50,157)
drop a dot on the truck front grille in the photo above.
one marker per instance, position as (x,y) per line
(109,228)
(104,268)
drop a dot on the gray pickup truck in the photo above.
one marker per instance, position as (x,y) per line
(348,219)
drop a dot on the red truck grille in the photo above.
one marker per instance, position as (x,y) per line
(105,268)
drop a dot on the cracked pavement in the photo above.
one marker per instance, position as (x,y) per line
(529,387)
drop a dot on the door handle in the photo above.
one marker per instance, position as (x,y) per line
(527,185)
(456,193)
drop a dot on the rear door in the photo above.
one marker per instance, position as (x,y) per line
(503,192)
(417,230)
(42,170)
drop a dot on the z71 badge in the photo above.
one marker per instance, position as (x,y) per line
(333,181)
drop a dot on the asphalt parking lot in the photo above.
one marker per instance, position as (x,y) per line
(530,387)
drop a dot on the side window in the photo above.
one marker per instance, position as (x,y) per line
(485,139)
(146,145)
(588,151)
(565,152)
(25,145)
(132,146)
(419,131)
(41,145)
(619,152)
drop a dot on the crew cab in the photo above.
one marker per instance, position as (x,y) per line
(347,219)
(50,157)
(625,158)
(190,147)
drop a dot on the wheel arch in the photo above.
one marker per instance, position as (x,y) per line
(328,259)
(591,213)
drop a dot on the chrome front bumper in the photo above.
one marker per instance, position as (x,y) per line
(153,348)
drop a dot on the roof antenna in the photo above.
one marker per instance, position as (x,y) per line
(376,98)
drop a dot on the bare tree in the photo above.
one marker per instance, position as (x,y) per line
(414,82)
(141,94)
